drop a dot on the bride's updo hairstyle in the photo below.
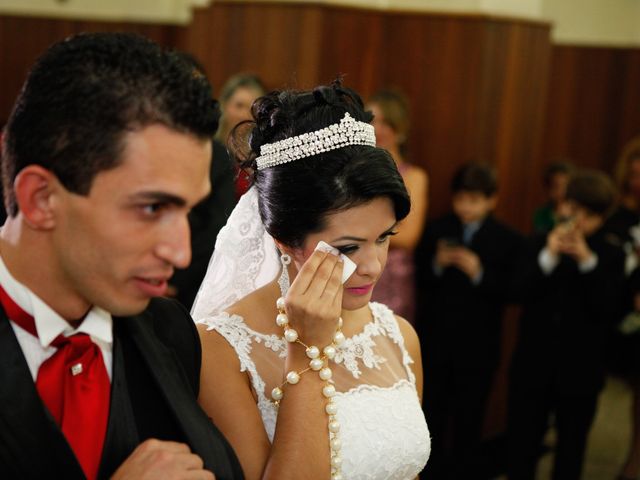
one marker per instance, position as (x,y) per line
(296,197)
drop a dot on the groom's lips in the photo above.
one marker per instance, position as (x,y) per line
(152,287)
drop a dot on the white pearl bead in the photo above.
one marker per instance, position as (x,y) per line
(282,319)
(325,373)
(313,352)
(334,427)
(336,461)
(316,364)
(290,335)
(329,351)
(331,408)
(340,322)
(280,303)
(329,391)
(336,444)
(293,378)
(277,393)
(338,338)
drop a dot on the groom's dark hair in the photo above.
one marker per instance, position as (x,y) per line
(86,92)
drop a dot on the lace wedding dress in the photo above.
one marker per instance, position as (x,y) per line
(384,434)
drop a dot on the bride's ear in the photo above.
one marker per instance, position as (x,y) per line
(294,253)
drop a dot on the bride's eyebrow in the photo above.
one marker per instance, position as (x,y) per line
(358,239)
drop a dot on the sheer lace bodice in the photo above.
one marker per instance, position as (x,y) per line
(384,433)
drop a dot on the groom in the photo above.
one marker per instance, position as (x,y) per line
(106,151)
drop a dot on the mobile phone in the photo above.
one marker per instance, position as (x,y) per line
(349,266)
(567,222)
(452,242)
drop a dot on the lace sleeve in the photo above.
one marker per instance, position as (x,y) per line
(390,324)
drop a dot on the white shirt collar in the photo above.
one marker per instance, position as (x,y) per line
(97,323)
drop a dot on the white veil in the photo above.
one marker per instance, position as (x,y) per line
(244,259)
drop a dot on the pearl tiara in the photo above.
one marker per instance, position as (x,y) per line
(338,135)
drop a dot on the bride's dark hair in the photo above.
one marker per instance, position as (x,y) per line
(296,197)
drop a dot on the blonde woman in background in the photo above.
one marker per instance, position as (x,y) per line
(391,122)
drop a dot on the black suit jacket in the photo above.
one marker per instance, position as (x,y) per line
(154,386)
(459,323)
(566,318)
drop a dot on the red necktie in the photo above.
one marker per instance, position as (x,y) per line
(74,385)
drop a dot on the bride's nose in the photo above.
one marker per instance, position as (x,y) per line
(370,263)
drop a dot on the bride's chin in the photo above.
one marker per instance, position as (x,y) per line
(352,305)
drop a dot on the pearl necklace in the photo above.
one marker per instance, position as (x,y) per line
(319,362)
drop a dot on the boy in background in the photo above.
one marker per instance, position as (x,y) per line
(464,264)
(569,282)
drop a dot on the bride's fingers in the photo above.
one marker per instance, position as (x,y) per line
(337,299)
(334,283)
(335,290)
(305,276)
(321,277)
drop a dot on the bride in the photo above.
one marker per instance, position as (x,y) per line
(304,376)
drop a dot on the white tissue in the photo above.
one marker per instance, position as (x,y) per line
(349,266)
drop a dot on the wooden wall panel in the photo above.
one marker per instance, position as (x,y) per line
(593,104)
(353,46)
(511,119)
(465,76)
(23,39)
(279,43)
(439,68)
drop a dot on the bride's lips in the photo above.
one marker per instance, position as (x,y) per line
(362,290)
(152,287)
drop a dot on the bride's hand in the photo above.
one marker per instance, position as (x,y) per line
(314,300)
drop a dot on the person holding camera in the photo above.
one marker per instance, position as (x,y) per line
(569,282)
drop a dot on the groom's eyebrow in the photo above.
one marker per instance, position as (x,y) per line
(159,197)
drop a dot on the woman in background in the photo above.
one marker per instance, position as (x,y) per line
(236,97)
(391,122)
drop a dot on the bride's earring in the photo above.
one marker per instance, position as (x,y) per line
(283,281)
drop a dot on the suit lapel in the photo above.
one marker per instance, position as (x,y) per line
(163,367)
(122,434)
(162,363)
(25,424)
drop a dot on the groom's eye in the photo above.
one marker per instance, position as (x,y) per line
(152,209)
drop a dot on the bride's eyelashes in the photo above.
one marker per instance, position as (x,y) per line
(348,249)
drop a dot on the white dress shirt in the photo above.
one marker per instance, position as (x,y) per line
(97,324)
(548,262)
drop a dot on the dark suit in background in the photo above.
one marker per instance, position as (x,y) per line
(156,377)
(206,220)
(459,324)
(558,365)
